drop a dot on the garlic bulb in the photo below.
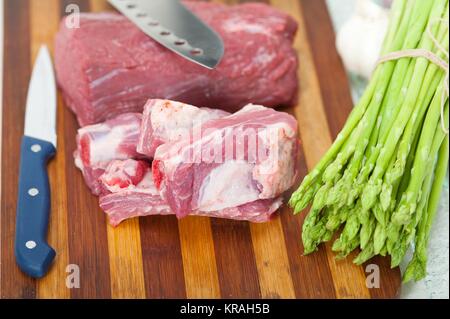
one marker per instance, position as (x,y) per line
(360,40)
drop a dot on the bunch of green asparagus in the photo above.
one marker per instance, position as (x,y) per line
(379,184)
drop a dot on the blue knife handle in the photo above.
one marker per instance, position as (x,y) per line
(33,254)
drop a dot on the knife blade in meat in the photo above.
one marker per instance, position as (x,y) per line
(171,24)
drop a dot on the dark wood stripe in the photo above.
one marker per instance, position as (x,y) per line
(390,279)
(236,266)
(162,260)
(88,246)
(338,104)
(310,281)
(334,85)
(17,70)
(84,5)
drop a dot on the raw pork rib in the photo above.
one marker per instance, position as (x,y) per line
(124,175)
(164,121)
(130,192)
(132,135)
(186,178)
(239,159)
(108,66)
(98,145)
(133,194)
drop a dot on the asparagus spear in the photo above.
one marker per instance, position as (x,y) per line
(377,179)
(408,203)
(373,188)
(430,83)
(400,24)
(417,267)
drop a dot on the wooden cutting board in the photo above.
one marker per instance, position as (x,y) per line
(160,257)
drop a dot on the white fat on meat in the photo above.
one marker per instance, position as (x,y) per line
(98,145)
(237,25)
(228,185)
(129,175)
(173,120)
(107,140)
(276,174)
(167,121)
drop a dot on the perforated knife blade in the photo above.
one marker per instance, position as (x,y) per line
(171,24)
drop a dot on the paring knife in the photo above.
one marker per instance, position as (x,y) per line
(33,254)
(172,25)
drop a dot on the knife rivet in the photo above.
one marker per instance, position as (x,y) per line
(33,192)
(36,148)
(31,244)
(180,42)
(197,51)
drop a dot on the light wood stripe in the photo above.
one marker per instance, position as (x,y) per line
(100,6)
(309,113)
(334,84)
(349,280)
(125,261)
(272,260)
(199,261)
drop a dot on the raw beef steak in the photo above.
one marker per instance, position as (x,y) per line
(108,66)
(229,162)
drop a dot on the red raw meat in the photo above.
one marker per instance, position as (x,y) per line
(108,66)
(128,200)
(185,178)
(124,174)
(125,199)
(99,144)
(165,121)
(229,162)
